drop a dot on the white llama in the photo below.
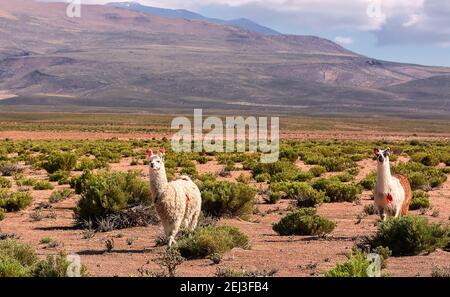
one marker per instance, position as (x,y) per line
(177,203)
(392,192)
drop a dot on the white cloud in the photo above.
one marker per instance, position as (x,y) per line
(343,40)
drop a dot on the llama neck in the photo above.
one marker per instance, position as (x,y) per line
(383,175)
(158,181)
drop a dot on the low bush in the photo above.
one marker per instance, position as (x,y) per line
(304,221)
(57,266)
(106,193)
(369,181)
(317,170)
(421,176)
(409,235)
(60,195)
(10,169)
(419,200)
(87,163)
(336,164)
(305,195)
(15,201)
(344,177)
(273,197)
(2,214)
(43,185)
(221,198)
(62,177)
(336,191)
(59,161)
(206,241)
(5,183)
(16,259)
(281,171)
(357,265)
(262,178)
(426,159)
(20,260)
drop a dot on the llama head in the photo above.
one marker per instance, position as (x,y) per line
(382,155)
(156,160)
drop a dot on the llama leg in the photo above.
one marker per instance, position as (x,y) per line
(397,212)
(173,233)
(194,221)
(382,213)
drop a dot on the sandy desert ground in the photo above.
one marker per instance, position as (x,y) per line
(290,256)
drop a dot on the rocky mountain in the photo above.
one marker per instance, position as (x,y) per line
(113,58)
(189,15)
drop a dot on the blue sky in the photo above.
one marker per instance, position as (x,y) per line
(410,31)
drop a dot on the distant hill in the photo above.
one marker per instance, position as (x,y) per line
(189,15)
(118,59)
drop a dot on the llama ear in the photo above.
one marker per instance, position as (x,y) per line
(389,151)
(149,153)
(376,151)
(161,152)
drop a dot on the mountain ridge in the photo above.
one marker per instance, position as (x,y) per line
(190,15)
(113,58)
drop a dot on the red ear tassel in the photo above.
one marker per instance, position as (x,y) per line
(162,151)
(376,151)
(149,153)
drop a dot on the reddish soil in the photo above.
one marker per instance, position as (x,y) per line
(291,256)
(319,135)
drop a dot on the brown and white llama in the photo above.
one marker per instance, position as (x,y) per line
(177,203)
(392,192)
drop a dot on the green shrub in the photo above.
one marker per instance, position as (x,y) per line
(273,197)
(358,264)
(369,181)
(281,171)
(318,170)
(22,181)
(262,178)
(5,183)
(87,163)
(2,214)
(337,191)
(10,169)
(16,201)
(419,200)
(20,260)
(59,161)
(409,235)
(62,177)
(60,195)
(209,240)
(78,183)
(221,198)
(421,176)
(43,185)
(344,177)
(16,259)
(106,193)
(304,221)
(426,159)
(305,195)
(56,266)
(336,164)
